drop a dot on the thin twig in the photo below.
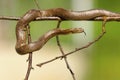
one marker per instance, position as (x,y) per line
(30,55)
(65,58)
(9,18)
(107,18)
(63,53)
(36,3)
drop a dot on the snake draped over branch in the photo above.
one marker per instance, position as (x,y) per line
(22,47)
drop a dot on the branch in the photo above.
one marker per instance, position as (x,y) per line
(57,18)
(37,19)
(9,18)
(30,55)
(63,53)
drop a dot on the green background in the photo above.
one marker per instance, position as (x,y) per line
(106,52)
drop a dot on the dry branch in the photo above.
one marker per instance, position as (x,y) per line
(30,55)
(57,18)
(63,53)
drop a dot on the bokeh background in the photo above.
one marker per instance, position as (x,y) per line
(101,61)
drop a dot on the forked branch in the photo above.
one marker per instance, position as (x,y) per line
(63,53)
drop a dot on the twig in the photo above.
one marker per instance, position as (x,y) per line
(37,19)
(9,18)
(36,3)
(65,57)
(107,18)
(30,55)
(63,53)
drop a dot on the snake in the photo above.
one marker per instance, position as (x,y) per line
(22,47)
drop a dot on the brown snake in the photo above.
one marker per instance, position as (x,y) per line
(21,34)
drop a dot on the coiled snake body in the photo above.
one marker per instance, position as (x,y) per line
(21,34)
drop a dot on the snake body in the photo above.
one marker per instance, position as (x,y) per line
(21,34)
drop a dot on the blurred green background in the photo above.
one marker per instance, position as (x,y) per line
(104,57)
(106,52)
